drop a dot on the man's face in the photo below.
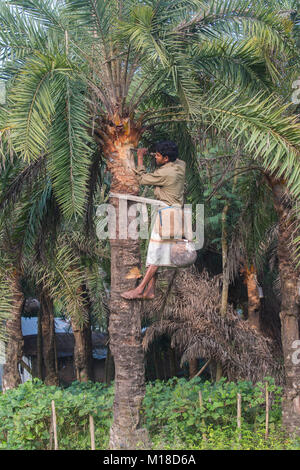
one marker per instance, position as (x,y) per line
(160,159)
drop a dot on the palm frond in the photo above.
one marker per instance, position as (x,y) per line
(98,15)
(250,234)
(47,12)
(220,15)
(31,108)
(70,146)
(20,35)
(263,128)
(239,63)
(40,205)
(64,277)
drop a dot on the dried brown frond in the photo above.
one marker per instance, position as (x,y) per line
(192,319)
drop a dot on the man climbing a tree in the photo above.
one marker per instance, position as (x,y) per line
(168,180)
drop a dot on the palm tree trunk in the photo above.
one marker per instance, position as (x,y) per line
(39,346)
(83,348)
(83,357)
(253,298)
(109,367)
(109,371)
(125,315)
(225,283)
(14,347)
(48,339)
(289,314)
(126,347)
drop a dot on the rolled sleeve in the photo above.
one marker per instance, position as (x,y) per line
(154,179)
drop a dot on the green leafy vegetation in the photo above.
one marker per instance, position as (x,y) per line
(171,412)
(26,415)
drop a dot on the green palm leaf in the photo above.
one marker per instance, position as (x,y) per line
(263,127)
(64,278)
(70,146)
(20,35)
(31,107)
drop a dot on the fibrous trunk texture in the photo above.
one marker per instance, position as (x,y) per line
(125,316)
(109,363)
(48,339)
(289,314)
(14,347)
(39,347)
(83,358)
(253,297)
(126,347)
(225,282)
(109,367)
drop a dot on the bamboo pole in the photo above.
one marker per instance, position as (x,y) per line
(202,369)
(267,412)
(54,425)
(92,432)
(201,406)
(239,412)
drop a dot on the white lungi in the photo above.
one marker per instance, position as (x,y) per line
(168,228)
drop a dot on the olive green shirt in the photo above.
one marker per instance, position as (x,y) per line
(168,180)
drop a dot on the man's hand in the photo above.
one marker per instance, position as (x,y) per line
(140,154)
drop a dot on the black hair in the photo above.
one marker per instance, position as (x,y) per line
(167,148)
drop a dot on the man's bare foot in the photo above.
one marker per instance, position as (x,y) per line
(132,294)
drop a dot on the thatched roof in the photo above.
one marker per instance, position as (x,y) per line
(188,311)
(64,344)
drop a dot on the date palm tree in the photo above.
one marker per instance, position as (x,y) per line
(59,268)
(90,77)
(38,247)
(21,232)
